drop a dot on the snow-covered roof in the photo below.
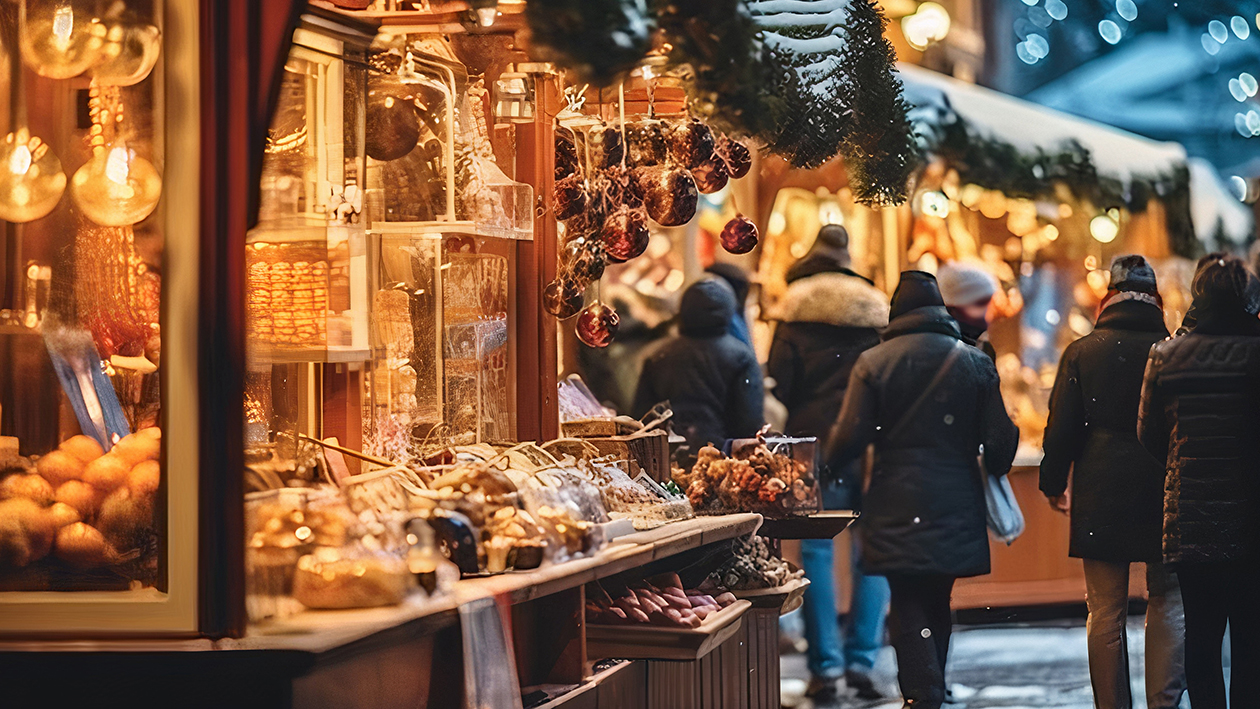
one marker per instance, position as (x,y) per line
(1212,205)
(1028,126)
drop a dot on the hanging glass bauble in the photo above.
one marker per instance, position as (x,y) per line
(739,236)
(393,128)
(59,39)
(690,143)
(710,175)
(738,157)
(625,234)
(597,325)
(669,194)
(562,298)
(31,180)
(116,187)
(128,55)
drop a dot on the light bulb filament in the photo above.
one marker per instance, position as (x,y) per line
(20,160)
(116,165)
(63,24)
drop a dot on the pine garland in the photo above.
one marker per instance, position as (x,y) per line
(599,40)
(998,165)
(880,148)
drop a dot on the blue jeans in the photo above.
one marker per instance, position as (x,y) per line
(864,629)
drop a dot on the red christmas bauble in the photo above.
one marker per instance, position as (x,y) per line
(737,156)
(566,154)
(562,298)
(645,143)
(690,143)
(606,146)
(625,234)
(669,194)
(711,175)
(597,325)
(569,197)
(739,236)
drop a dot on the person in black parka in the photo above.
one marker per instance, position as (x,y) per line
(1116,500)
(711,379)
(923,523)
(824,321)
(1200,413)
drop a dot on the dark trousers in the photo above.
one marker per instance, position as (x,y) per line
(919,623)
(1216,594)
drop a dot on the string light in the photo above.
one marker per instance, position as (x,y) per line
(1104,229)
(929,24)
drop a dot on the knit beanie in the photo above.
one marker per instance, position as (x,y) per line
(964,284)
(917,289)
(1131,273)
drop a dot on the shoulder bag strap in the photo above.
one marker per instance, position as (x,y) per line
(941,373)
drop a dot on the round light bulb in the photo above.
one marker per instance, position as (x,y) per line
(1104,229)
(31,180)
(116,187)
(59,39)
(934,204)
(128,55)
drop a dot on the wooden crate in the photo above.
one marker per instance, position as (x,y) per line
(650,449)
(718,680)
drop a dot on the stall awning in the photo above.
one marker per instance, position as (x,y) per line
(1030,127)
(1115,153)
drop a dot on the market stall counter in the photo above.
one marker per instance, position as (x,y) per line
(405,655)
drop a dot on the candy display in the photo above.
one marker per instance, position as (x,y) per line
(658,600)
(752,566)
(754,479)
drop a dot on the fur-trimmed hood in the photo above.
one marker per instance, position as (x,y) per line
(833,299)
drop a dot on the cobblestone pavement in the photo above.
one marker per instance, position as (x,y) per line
(1014,667)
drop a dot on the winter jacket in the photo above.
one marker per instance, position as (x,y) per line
(1200,413)
(712,380)
(1117,490)
(825,322)
(924,512)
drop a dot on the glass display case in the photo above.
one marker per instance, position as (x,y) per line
(98,454)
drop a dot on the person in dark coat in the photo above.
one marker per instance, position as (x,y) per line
(928,402)
(1116,491)
(1200,413)
(711,379)
(738,281)
(824,321)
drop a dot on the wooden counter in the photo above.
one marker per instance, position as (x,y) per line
(408,655)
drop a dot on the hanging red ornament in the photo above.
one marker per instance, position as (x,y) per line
(645,143)
(621,188)
(597,325)
(711,175)
(566,154)
(569,197)
(606,146)
(393,128)
(737,156)
(669,194)
(562,298)
(739,236)
(625,235)
(690,143)
(584,260)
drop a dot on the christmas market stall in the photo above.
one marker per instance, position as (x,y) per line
(284,327)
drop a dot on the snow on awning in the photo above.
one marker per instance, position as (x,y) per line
(1029,127)
(1213,207)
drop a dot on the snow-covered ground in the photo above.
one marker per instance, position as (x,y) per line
(1014,667)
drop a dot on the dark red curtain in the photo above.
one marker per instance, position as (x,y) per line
(244,44)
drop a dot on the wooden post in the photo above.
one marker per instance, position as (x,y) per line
(537,412)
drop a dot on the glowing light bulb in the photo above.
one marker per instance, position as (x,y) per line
(31,180)
(1104,229)
(59,39)
(116,187)
(128,55)
(930,23)
(934,204)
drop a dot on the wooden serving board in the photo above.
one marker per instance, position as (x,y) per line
(786,598)
(652,642)
(823,525)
